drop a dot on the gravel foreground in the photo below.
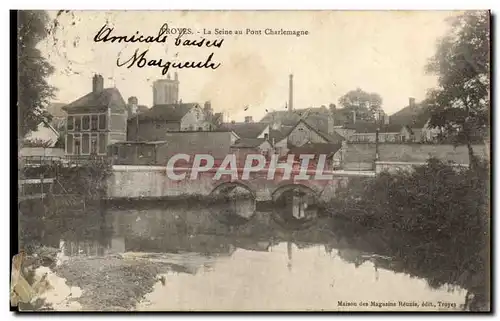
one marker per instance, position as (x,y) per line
(110,283)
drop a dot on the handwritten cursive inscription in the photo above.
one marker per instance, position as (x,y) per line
(104,35)
(141,61)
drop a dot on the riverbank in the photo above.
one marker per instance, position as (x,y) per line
(111,283)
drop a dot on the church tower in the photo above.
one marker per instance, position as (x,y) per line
(166,91)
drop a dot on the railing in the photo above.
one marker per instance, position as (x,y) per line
(31,161)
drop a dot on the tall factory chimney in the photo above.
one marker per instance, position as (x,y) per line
(290,94)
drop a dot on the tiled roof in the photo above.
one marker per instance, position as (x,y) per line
(245,130)
(249,142)
(108,97)
(168,112)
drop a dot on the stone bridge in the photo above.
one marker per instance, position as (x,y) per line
(153,182)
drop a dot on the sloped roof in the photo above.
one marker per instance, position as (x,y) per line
(245,130)
(249,142)
(108,98)
(215,143)
(331,138)
(315,148)
(56,109)
(278,135)
(413,116)
(167,112)
(142,108)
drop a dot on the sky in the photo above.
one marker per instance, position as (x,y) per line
(378,51)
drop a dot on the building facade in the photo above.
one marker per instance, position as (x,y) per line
(155,123)
(95,120)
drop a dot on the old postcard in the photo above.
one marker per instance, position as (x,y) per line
(253,160)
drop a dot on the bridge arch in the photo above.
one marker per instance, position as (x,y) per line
(229,186)
(278,192)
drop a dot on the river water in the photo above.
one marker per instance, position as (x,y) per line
(251,265)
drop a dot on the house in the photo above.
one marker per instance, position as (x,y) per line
(366,132)
(317,149)
(279,141)
(247,129)
(320,117)
(96,120)
(215,143)
(45,135)
(248,146)
(153,124)
(135,153)
(303,133)
(416,117)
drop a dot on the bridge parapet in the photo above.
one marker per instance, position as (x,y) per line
(129,181)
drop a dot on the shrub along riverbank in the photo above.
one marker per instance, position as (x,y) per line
(435,220)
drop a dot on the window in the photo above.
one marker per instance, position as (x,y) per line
(69,144)
(77,150)
(71,122)
(115,150)
(85,143)
(93,122)
(102,122)
(78,123)
(102,143)
(85,122)
(93,144)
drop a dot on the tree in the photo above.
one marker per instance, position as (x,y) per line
(33,69)
(366,105)
(460,104)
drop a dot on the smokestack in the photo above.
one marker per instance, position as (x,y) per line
(290,94)
(412,102)
(248,119)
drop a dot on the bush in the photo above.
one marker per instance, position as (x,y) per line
(434,219)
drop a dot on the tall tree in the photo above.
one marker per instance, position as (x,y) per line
(366,105)
(34,93)
(461,102)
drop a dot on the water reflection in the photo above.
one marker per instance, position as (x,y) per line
(289,278)
(258,265)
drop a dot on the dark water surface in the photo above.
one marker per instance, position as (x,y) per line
(254,262)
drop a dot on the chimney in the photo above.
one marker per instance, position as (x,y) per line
(97,84)
(331,124)
(248,119)
(132,104)
(412,102)
(290,94)
(354,117)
